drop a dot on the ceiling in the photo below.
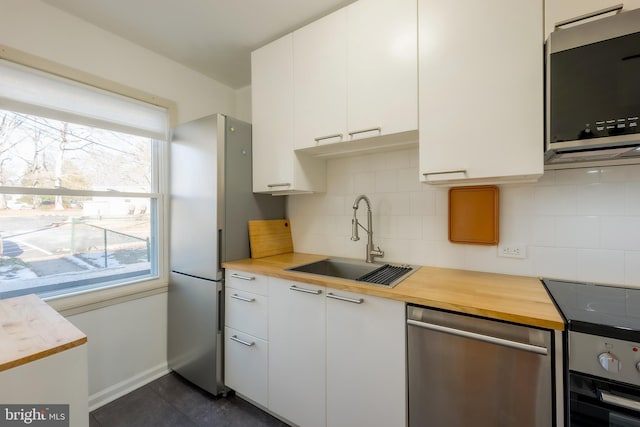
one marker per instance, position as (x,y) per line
(213,37)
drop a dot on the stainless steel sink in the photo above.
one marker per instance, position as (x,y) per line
(387,275)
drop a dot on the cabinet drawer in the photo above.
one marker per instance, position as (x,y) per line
(246,312)
(247,282)
(245,369)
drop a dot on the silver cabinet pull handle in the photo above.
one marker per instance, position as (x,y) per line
(379,129)
(280,184)
(622,402)
(241,277)
(347,299)
(243,342)
(480,337)
(335,135)
(615,8)
(464,171)
(236,296)
(306,291)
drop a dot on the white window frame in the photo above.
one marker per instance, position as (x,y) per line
(82,301)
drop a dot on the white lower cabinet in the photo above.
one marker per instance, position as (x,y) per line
(329,358)
(245,369)
(246,347)
(246,312)
(366,361)
(297,352)
(61,378)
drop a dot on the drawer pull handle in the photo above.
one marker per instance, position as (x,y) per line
(464,171)
(347,299)
(241,277)
(379,129)
(236,296)
(243,342)
(306,291)
(321,138)
(280,184)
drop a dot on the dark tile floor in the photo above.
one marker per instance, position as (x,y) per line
(170,401)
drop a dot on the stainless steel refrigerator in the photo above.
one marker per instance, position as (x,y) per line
(211,202)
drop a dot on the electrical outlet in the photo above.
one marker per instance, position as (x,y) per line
(512,251)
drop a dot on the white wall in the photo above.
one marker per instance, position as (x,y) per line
(127,341)
(44,31)
(127,346)
(581,224)
(243,104)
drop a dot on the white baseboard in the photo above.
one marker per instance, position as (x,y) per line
(117,390)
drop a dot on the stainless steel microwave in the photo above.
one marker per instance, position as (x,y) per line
(593,91)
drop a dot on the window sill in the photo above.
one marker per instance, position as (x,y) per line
(83,302)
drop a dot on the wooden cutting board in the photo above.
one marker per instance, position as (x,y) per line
(270,237)
(474,215)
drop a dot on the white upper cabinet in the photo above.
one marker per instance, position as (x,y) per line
(355,78)
(481,91)
(382,67)
(272,110)
(276,168)
(320,81)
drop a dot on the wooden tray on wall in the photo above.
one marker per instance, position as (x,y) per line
(474,215)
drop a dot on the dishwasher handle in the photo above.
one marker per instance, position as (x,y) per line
(480,337)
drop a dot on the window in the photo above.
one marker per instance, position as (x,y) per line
(80,185)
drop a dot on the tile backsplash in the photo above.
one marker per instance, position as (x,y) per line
(579,224)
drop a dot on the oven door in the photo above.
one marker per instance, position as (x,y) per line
(596,402)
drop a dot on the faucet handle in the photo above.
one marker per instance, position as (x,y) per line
(377,252)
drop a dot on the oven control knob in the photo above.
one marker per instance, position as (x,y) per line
(609,362)
(638,366)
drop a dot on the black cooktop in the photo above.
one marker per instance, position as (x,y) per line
(598,309)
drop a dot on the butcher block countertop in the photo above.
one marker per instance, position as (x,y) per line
(516,299)
(31,330)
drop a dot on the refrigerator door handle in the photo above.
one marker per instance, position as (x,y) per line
(220,249)
(220,311)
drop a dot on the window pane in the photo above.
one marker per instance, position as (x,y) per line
(37,152)
(92,242)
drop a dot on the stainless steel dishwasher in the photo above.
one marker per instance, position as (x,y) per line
(471,371)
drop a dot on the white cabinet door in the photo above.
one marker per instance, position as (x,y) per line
(247,282)
(246,312)
(481,90)
(297,352)
(366,361)
(382,67)
(245,368)
(246,346)
(272,115)
(320,81)
(276,168)
(61,378)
